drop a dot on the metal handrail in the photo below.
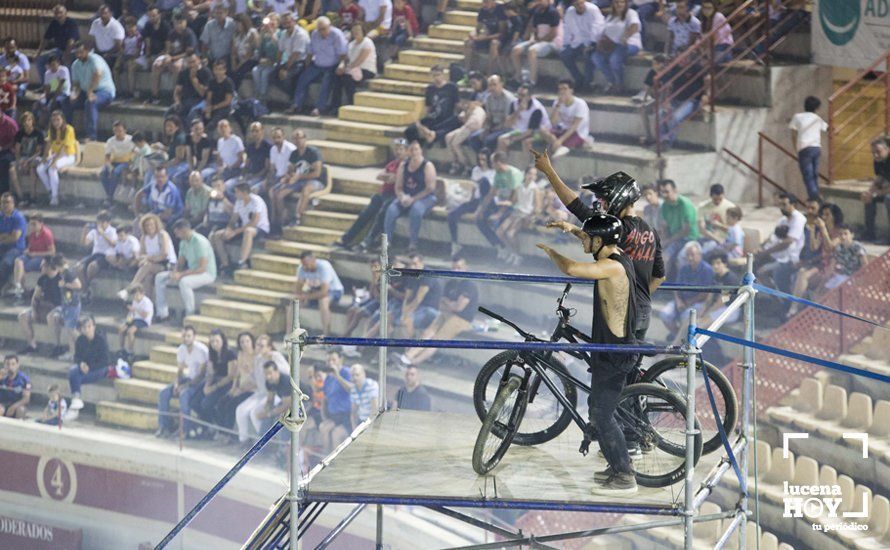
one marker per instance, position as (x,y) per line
(784,150)
(764,177)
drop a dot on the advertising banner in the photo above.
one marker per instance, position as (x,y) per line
(31,535)
(850,33)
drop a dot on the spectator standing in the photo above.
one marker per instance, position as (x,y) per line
(879,191)
(40,245)
(318,283)
(413,395)
(56,91)
(92,87)
(191,87)
(849,257)
(178,47)
(415,194)
(108,35)
(160,197)
(488,35)
(542,37)
(9,129)
(584,25)
(359,66)
(364,395)
(712,217)
(806,135)
(218,34)
(482,177)
(15,389)
(327,49)
(191,362)
(56,407)
(620,39)
(679,222)
(218,380)
(497,106)
(101,236)
(245,49)
(119,152)
(527,117)
(569,120)
(140,312)
(58,40)
(195,267)
(156,254)
(91,360)
(249,223)
(778,256)
(13,229)
(441,98)
(683,27)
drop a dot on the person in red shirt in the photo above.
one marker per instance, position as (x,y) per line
(41,245)
(404,27)
(349,13)
(7,94)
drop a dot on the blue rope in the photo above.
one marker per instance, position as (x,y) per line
(743,482)
(485,344)
(793,355)
(518,277)
(804,301)
(205,500)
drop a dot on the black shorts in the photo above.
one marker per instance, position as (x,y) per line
(342,419)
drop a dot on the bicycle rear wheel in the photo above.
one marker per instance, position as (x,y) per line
(659,424)
(499,426)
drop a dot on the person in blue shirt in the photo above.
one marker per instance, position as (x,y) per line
(695,272)
(13,228)
(15,389)
(337,410)
(161,198)
(92,86)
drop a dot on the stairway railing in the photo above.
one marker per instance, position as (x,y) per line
(846,107)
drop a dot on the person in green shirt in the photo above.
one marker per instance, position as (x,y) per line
(195,267)
(496,205)
(680,223)
(197,198)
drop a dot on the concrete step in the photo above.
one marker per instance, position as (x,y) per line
(342,203)
(425,58)
(141,391)
(328,220)
(450,32)
(361,132)
(127,416)
(427,43)
(247,312)
(411,73)
(471,5)
(391,101)
(350,154)
(291,248)
(164,355)
(275,263)
(162,373)
(258,295)
(465,18)
(357,185)
(231,328)
(398,86)
(265,280)
(314,235)
(376,115)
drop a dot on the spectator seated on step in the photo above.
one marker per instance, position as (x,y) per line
(714,305)
(56,91)
(246,414)
(108,35)
(413,395)
(156,254)
(404,27)
(15,389)
(200,154)
(171,151)
(497,104)
(177,48)
(218,380)
(125,254)
(365,304)
(58,40)
(293,43)
(497,205)
(60,152)
(527,117)
(140,312)
(219,209)
(278,397)
(229,157)
(879,191)
(679,223)
(488,36)
(218,99)
(242,388)
(569,122)
(279,162)
(132,56)
(13,229)
(195,267)
(304,177)
(541,38)
(192,357)
(712,218)
(377,17)
(92,87)
(397,290)
(318,284)
(327,48)
(197,200)
(40,245)
(359,67)
(776,261)
(249,222)
(621,39)
(56,409)
(482,177)
(191,87)
(364,395)
(336,415)
(257,167)
(524,211)
(457,308)
(441,99)
(849,256)
(683,27)
(119,151)
(160,197)
(420,306)
(91,359)
(101,237)
(8,97)
(415,195)
(28,148)
(472,117)
(218,35)
(695,271)
(584,24)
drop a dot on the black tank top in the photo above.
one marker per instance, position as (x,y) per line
(602,334)
(413,181)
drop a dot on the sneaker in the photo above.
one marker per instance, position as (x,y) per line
(54,201)
(350,351)
(404,359)
(439,18)
(162,433)
(502,254)
(639,97)
(455,249)
(27,349)
(70,416)
(11,290)
(123,294)
(561,152)
(616,485)
(604,475)
(66,357)
(58,351)
(76,404)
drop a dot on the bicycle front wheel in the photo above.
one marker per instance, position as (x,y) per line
(658,422)
(499,426)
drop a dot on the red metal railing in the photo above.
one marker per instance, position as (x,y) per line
(851,102)
(752,41)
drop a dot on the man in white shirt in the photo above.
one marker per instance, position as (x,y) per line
(806,135)
(250,220)
(293,42)
(191,359)
(108,34)
(779,255)
(570,122)
(583,24)
(102,236)
(229,154)
(378,16)
(318,283)
(279,157)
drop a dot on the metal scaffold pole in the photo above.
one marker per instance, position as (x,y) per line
(747,400)
(384,321)
(691,432)
(294,353)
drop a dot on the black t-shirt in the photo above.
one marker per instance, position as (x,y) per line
(454,289)
(30,144)
(304,161)
(157,36)
(882,168)
(491,19)
(689,84)
(49,287)
(219,362)
(196,150)
(59,34)
(417,400)
(534,121)
(219,90)
(185,80)
(547,16)
(181,41)
(433,295)
(257,155)
(642,245)
(441,102)
(282,388)
(70,297)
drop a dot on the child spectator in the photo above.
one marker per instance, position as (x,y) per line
(849,256)
(41,245)
(132,54)
(56,407)
(125,254)
(404,27)
(28,148)
(140,311)
(522,213)
(714,305)
(15,389)
(139,165)
(683,27)
(734,243)
(102,236)
(806,137)
(56,91)
(8,95)
(119,152)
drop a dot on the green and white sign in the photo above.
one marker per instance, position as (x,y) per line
(850,33)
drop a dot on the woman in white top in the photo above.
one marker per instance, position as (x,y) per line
(360,65)
(245,46)
(713,20)
(524,211)
(482,176)
(246,412)
(620,39)
(157,253)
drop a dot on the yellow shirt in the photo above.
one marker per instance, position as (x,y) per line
(67,145)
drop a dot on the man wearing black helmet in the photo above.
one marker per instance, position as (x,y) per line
(614,321)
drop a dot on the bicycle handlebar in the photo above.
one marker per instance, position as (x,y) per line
(507,322)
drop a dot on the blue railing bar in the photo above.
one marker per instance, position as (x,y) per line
(211,494)
(486,344)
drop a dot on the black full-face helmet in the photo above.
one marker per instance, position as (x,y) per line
(619,190)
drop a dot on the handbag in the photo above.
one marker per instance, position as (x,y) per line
(605,45)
